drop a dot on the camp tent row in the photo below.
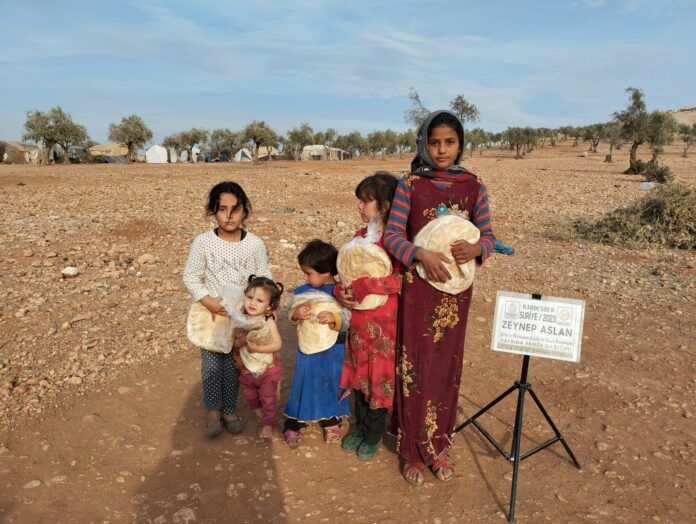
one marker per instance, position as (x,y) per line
(18,153)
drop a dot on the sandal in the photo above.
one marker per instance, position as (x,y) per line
(413,472)
(235,425)
(293,438)
(332,434)
(443,468)
(213,430)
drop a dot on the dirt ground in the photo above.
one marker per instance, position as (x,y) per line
(100,412)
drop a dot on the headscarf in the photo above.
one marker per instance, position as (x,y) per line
(422,164)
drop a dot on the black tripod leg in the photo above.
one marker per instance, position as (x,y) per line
(517,438)
(484,409)
(554,428)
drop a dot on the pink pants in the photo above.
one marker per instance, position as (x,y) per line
(260,392)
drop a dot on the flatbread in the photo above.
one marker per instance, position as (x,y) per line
(437,236)
(357,260)
(206,333)
(255,362)
(313,337)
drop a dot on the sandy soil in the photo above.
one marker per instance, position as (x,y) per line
(100,416)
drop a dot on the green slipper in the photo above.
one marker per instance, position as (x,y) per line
(368,451)
(235,426)
(213,429)
(352,442)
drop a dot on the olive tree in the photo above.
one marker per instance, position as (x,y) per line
(661,129)
(223,139)
(611,134)
(634,122)
(259,133)
(418,112)
(132,133)
(688,136)
(297,138)
(56,127)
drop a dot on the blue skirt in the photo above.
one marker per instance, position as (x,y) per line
(315,383)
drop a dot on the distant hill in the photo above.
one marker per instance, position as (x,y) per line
(686,115)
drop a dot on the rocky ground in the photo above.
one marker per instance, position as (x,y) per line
(100,417)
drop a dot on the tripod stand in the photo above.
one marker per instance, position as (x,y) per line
(514,456)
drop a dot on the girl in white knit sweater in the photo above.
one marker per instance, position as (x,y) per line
(224,256)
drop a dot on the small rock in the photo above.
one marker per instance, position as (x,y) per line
(184,516)
(70,271)
(601,446)
(59,479)
(123,390)
(139,499)
(32,484)
(147,258)
(75,380)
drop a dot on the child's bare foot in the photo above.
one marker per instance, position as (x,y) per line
(266,432)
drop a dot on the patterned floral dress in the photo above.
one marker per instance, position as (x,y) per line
(430,336)
(370,351)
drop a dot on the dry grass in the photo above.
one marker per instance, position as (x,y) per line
(666,216)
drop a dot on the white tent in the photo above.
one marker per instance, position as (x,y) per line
(172,155)
(156,155)
(195,153)
(183,157)
(243,155)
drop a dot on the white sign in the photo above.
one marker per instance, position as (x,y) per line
(549,327)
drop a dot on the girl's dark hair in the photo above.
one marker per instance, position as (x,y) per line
(379,187)
(320,256)
(451,121)
(275,289)
(213,204)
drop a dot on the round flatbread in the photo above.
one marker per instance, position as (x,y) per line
(357,260)
(206,333)
(438,236)
(255,362)
(313,337)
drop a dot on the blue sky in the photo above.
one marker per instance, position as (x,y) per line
(347,65)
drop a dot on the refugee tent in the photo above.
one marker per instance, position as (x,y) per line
(195,152)
(320,152)
(172,155)
(156,155)
(17,153)
(183,157)
(243,155)
(264,155)
(108,150)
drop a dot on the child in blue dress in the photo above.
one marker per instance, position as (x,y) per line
(316,379)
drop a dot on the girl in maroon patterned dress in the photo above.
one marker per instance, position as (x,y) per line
(369,366)
(432,324)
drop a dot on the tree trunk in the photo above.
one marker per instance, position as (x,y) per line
(66,157)
(518,156)
(633,159)
(685,150)
(608,157)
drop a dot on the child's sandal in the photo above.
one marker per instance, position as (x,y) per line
(292,438)
(443,468)
(332,434)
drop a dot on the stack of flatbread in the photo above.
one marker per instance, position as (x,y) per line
(206,333)
(260,333)
(438,235)
(313,337)
(362,257)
